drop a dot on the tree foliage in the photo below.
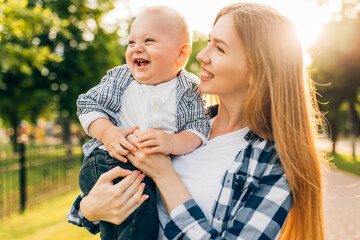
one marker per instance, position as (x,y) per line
(51,51)
(22,58)
(88,51)
(336,67)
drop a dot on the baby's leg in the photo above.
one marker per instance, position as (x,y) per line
(143,223)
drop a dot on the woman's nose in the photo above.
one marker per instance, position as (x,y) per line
(202,56)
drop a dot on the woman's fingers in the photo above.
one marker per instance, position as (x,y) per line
(130,205)
(137,199)
(113,174)
(125,183)
(138,132)
(136,156)
(133,188)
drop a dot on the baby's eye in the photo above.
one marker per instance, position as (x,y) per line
(131,42)
(149,40)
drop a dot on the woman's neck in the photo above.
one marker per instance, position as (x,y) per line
(230,118)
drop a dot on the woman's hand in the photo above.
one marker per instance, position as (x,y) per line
(153,165)
(158,167)
(114,202)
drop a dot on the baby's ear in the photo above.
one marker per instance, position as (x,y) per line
(184,53)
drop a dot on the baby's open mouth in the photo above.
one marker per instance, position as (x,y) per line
(141,62)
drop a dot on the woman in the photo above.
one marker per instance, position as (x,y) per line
(266,121)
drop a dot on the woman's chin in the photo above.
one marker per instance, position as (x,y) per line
(207,90)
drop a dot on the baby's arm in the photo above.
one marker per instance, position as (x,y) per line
(157,141)
(114,138)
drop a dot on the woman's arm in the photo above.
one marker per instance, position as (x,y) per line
(158,167)
(257,212)
(261,216)
(107,201)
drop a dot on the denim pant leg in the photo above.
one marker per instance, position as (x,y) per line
(143,223)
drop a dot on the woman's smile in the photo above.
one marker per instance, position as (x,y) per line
(206,75)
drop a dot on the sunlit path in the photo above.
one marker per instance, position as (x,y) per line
(341,205)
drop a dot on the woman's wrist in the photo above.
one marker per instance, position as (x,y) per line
(172,190)
(86,210)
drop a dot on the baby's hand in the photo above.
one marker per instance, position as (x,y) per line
(114,139)
(155,141)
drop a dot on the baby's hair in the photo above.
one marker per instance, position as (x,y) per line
(183,27)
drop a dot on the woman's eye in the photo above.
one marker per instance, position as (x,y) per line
(220,49)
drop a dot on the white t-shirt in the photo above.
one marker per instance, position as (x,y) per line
(202,171)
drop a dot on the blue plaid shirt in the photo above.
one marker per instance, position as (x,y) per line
(253,203)
(106,98)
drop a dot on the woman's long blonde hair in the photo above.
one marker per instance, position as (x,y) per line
(281,106)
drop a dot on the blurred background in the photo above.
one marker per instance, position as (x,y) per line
(53,50)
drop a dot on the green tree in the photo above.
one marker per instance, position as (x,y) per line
(336,67)
(23,89)
(89,48)
(199,43)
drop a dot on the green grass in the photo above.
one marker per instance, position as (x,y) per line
(47,165)
(345,162)
(45,221)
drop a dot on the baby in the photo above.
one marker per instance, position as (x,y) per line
(151,92)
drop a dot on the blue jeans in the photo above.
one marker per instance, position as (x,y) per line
(143,223)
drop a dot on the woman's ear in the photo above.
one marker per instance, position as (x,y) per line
(183,54)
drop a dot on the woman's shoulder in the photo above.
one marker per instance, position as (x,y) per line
(260,144)
(259,157)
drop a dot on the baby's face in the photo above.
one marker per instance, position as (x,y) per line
(153,49)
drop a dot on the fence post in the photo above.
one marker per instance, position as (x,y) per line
(22,177)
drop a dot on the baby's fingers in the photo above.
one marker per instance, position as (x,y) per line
(124,142)
(149,143)
(119,149)
(152,150)
(146,136)
(114,154)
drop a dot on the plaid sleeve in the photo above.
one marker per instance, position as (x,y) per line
(75,217)
(260,216)
(88,102)
(106,96)
(267,205)
(197,121)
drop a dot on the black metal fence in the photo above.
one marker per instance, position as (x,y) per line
(36,173)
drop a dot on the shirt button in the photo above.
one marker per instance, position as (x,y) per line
(156,123)
(154,107)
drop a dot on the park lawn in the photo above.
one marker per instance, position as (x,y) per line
(45,221)
(345,162)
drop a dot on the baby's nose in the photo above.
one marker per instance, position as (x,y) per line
(138,47)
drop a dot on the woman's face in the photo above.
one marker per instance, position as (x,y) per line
(225,70)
